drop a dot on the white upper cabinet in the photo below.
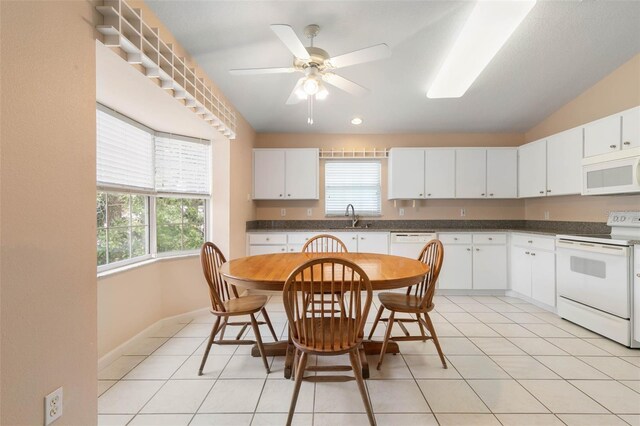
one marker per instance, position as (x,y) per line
(440,173)
(602,136)
(631,128)
(564,163)
(268,174)
(285,174)
(502,173)
(532,169)
(406,173)
(471,173)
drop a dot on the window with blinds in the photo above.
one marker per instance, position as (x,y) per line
(182,165)
(356,183)
(124,153)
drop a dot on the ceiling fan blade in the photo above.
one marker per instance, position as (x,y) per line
(253,71)
(344,84)
(286,34)
(293,97)
(368,54)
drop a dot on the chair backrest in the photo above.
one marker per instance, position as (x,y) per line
(212,258)
(432,255)
(324,243)
(327,328)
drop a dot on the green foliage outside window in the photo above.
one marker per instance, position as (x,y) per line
(180,224)
(122,226)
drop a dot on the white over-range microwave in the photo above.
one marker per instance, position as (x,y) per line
(613,173)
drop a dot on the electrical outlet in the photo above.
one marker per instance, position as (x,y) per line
(546,215)
(309,212)
(53,406)
(401,212)
(463,212)
(283,212)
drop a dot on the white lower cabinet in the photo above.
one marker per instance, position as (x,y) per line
(474,261)
(363,242)
(533,267)
(373,242)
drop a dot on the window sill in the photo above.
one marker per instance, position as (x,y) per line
(131,266)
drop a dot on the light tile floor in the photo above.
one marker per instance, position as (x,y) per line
(510,363)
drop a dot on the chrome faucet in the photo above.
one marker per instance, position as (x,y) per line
(354,218)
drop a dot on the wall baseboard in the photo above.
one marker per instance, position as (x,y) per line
(116,353)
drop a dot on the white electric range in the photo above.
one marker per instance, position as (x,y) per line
(595,280)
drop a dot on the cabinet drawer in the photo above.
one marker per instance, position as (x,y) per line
(300,238)
(267,239)
(489,238)
(455,238)
(534,241)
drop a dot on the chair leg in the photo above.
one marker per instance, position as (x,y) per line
(214,331)
(375,323)
(387,336)
(268,321)
(296,389)
(432,331)
(424,337)
(256,331)
(223,329)
(357,372)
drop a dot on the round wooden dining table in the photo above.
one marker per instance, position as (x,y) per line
(270,271)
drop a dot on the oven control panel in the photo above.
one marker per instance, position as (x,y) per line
(624,219)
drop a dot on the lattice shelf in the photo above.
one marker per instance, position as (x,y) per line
(124,28)
(354,153)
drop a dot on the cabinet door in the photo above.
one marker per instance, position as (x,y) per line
(631,128)
(301,174)
(543,277)
(406,173)
(490,267)
(521,271)
(456,267)
(255,250)
(268,174)
(373,242)
(350,240)
(502,173)
(471,173)
(602,136)
(440,173)
(532,169)
(564,163)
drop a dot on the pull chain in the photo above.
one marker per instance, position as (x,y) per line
(310,109)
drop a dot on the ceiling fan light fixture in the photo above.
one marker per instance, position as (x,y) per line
(487,29)
(311,86)
(322,93)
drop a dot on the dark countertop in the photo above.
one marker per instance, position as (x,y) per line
(525,226)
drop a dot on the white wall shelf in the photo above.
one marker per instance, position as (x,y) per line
(124,28)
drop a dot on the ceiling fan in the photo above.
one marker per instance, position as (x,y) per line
(317,66)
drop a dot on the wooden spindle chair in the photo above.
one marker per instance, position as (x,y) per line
(418,300)
(225,304)
(325,331)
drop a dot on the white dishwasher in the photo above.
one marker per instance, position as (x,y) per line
(409,244)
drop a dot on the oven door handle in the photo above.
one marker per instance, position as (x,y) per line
(593,247)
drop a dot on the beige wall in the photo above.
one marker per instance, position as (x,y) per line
(616,92)
(47,186)
(431,209)
(129,302)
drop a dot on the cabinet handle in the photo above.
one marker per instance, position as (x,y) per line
(267,238)
(526,252)
(491,195)
(288,195)
(626,143)
(530,241)
(548,190)
(490,239)
(638,275)
(428,195)
(281,195)
(468,249)
(353,238)
(533,254)
(282,249)
(542,192)
(482,194)
(477,249)
(612,146)
(420,195)
(455,238)
(362,238)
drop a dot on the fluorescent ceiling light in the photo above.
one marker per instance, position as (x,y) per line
(489,26)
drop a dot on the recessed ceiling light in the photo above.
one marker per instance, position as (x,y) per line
(357,121)
(489,26)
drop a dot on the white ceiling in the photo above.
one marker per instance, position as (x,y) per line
(561,49)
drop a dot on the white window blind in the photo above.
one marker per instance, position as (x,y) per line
(124,153)
(182,165)
(356,183)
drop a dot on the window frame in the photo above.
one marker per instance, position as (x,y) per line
(360,213)
(151,197)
